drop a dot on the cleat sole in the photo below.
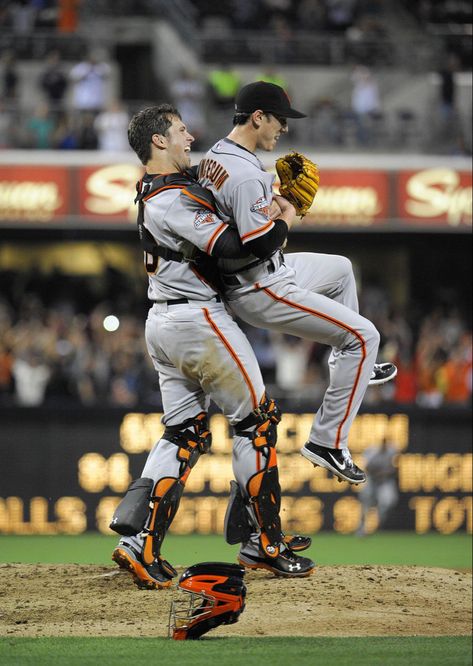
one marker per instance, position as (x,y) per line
(276,572)
(141,577)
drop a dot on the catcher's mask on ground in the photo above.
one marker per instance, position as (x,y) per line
(214,594)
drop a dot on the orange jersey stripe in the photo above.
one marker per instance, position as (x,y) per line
(304,308)
(215,235)
(230,350)
(256,232)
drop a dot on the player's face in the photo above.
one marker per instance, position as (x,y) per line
(270,131)
(179,143)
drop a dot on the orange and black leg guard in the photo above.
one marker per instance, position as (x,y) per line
(192,439)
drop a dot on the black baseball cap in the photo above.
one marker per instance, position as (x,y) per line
(268,97)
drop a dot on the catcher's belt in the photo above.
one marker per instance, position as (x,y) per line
(299,178)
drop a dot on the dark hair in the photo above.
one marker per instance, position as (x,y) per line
(241,118)
(145,123)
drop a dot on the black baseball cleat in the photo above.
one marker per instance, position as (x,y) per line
(338,461)
(382,373)
(287,564)
(155,576)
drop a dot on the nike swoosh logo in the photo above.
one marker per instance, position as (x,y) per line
(340,466)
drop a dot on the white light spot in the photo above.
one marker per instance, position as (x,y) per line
(111,323)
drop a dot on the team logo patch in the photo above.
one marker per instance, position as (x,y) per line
(261,205)
(203,217)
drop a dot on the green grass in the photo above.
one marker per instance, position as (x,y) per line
(215,650)
(431,549)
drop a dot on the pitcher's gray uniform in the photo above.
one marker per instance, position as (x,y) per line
(308,295)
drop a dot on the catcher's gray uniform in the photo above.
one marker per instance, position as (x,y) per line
(200,354)
(311,296)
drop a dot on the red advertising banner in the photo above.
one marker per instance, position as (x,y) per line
(435,197)
(107,192)
(34,194)
(351,198)
(102,196)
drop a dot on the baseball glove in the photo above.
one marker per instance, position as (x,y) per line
(299,179)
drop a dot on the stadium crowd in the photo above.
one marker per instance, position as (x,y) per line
(54,350)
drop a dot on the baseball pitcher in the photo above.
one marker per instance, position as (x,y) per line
(308,295)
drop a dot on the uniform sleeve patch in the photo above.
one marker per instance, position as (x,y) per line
(261,205)
(203,217)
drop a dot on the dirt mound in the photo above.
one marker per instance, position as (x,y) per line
(91,600)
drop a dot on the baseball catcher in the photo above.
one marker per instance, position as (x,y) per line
(299,179)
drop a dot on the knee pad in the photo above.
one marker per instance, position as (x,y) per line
(265,418)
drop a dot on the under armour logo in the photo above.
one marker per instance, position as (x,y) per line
(115,520)
(294,567)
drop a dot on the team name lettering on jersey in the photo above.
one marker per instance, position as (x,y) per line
(214,172)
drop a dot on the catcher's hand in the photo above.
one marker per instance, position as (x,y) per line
(299,179)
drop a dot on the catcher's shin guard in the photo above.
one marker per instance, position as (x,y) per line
(238,526)
(263,489)
(192,439)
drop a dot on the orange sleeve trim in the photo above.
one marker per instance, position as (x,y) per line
(217,233)
(258,232)
(200,201)
(234,356)
(304,308)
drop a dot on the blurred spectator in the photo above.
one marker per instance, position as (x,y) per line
(454,376)
(53,80)
(224,84)
(6,127)
(10,76)
(270,75)
(111,127)
(89,79)
(23,16)
(68,15)
(31,375)
(246,14)
(340,13)
(40,128)
(365,101)
(6,370)
(449,133)
(65,137)
(311,15)
(86,133)
(292,355)
(380,490)
(188,93)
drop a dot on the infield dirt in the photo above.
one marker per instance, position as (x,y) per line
(91,600)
